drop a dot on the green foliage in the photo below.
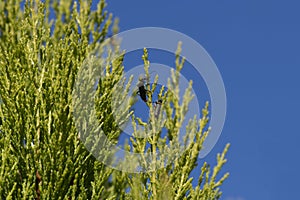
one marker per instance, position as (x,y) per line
(42,153)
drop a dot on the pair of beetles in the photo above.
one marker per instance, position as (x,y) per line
(142,92)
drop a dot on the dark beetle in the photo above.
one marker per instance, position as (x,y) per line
(157,108)
(142,90)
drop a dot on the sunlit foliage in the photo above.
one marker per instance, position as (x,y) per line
(42,155)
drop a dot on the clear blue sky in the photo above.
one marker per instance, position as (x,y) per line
(256,46)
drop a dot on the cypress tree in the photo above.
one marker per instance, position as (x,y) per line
(43,155)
